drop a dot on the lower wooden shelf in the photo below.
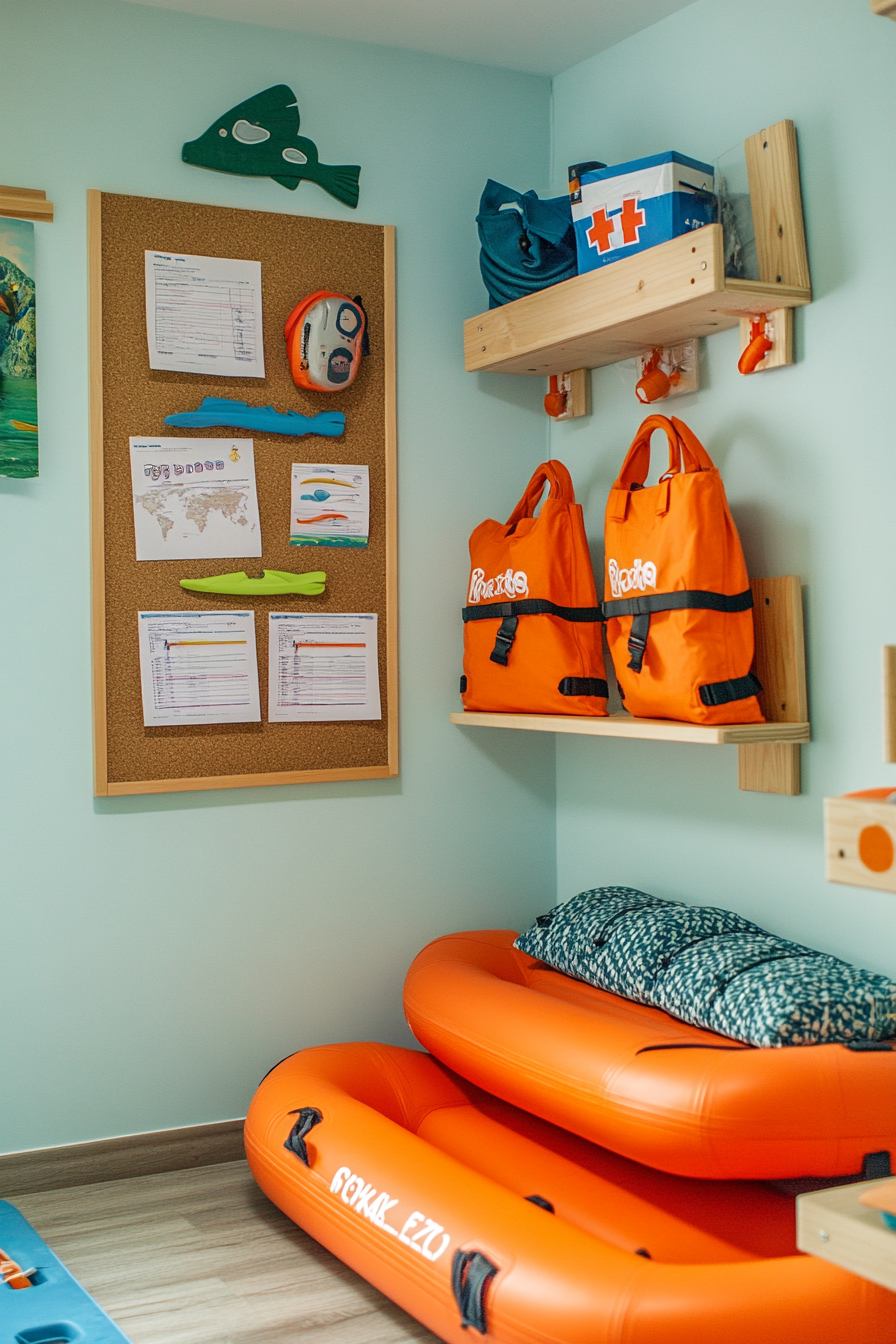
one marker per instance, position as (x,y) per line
(652,730)
(768,753)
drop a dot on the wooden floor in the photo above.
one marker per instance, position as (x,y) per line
(202,1257)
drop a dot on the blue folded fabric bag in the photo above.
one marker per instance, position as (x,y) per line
(526,244)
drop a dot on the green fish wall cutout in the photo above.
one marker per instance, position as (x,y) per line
(260,138)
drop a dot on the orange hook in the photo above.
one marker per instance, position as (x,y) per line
(555,400)
(759,346)
(654,384)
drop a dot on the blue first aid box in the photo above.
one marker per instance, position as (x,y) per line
(636,205)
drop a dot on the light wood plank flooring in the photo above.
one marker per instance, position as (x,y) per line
(202,1257)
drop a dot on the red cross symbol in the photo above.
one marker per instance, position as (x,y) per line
(632,219)
(601,231)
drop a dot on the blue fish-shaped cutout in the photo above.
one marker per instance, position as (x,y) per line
(226,411)
(260,138)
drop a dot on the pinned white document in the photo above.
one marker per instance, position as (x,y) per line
(322,666)
(198,667)
(195,499)
(203,315)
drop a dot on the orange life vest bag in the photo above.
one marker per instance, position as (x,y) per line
(532,642)
(677,599)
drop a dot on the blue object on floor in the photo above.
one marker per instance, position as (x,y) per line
(225,411)
(55,1309)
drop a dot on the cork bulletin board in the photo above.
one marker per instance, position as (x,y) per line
(298,255)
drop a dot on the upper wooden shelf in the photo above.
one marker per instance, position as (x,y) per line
(25,203)
(659,297)
(653,730)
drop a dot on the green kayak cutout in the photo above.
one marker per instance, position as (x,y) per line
(273,583)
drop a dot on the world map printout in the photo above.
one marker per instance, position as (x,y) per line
(195,499)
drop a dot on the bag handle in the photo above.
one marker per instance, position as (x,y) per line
(561,485)
(686,452)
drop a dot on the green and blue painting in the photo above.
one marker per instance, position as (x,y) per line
(18,350)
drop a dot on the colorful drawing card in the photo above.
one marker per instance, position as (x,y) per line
(330,506)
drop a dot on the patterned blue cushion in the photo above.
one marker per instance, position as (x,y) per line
(712,968)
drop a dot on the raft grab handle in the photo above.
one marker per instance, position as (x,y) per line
(471,1273)
(309,1116)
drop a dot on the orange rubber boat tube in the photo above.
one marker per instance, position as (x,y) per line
(640,1082)
(422,1183)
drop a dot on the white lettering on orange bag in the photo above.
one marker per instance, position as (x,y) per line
(641,575)
(512,583)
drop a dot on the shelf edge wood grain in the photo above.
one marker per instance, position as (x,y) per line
(780,664)
(25,203)
(835,1226)
(663,296)
(652,730)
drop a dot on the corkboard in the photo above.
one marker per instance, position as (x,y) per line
(298,255)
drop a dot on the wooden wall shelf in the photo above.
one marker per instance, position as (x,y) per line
(768,753)
(25,203)
(668,294)
(652,730)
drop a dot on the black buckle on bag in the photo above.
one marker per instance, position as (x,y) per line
(637,641)
(504,640)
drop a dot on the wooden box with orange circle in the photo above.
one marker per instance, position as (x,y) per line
(860,839)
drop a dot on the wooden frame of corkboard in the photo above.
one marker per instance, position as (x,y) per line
(298,255)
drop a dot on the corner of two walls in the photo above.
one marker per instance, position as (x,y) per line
(807,455)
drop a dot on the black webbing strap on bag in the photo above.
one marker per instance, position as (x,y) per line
(584,686)
(471,1273)
(509,613)
(689,599)
(723,692)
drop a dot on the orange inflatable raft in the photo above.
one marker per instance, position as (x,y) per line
(642,1083)
(473,1215)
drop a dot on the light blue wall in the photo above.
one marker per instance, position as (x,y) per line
(808,455)
(159,954)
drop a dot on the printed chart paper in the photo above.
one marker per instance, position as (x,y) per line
(198,667)
(322,667)
(203,315)
(330,506)
(195,499)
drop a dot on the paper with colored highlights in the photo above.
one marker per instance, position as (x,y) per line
(203,315)
(329,506)
(322,666)
(194,499)
(198,667)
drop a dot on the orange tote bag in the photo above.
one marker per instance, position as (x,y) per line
(677,598)
(532,641)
